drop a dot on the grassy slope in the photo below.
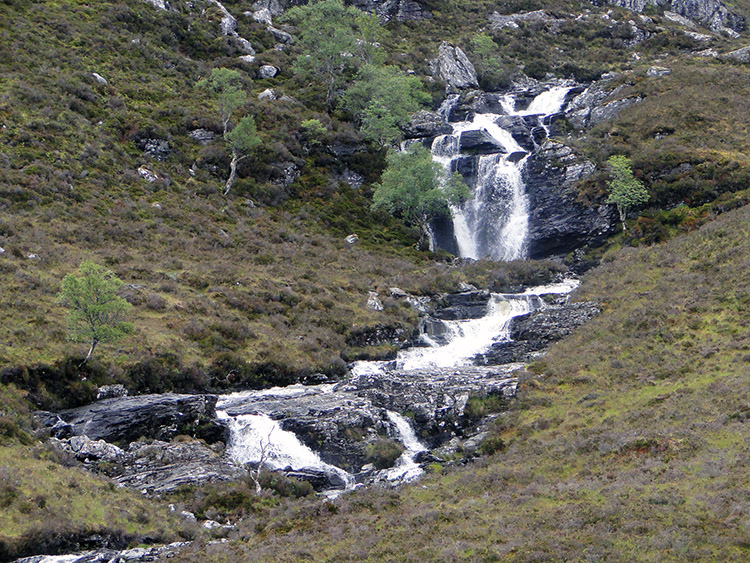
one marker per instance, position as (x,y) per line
(630,444)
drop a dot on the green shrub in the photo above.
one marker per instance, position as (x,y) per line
(383,453)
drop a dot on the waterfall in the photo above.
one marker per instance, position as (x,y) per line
(467,338)
(494,222)
(253,436)
(405,468)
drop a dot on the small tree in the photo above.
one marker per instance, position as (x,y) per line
(382,100)
(226,85)
(417,189)
(328,42)
(625,190)
(97,313)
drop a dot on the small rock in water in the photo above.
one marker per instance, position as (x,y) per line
(373,301)
(351,239)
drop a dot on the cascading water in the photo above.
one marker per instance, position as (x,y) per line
(494,222)
(405,468)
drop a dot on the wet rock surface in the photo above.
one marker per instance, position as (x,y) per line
(125,419)
(535,331)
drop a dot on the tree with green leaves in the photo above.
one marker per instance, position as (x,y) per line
(625,190)
(226,86)
(492,72)
(97,314)
(417,189)
(328,40)
(382,100)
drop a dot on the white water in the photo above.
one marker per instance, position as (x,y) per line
(256,435)
(468,337)
(405,469)
(494,222)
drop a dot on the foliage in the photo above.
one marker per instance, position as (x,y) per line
(313,130)
(493,74)
(327,41)
(97,313)
(416,188)
(226,86)
(383,453)
(382,99)
(626,191)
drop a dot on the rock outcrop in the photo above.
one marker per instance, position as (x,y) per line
(388,10)
(454,68)
(126,419)
(558,221)
(535,331)
(712,14)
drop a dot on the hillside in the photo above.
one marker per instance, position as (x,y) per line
(627,440)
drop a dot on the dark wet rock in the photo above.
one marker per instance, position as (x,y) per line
(127,419)
(520,128)
(479,141)
(320,480)
(434,399)
(159,467)
(536,330)
(559,221)
(468,305)
(158,149)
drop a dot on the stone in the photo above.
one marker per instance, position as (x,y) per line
(657,71)
(389,10)
(161,4)
(373,301)
(700,37)
(740,55)
(351,239)
(263,16)
(279,35)
(535,331)
(158,149)
(466,305)
(202,136)
(712,14)
(268,94)
(247,58)
(147,174)
(2,250)
(426,124)
(267,71)
(677,18)
(454,68)
(512,20)
(479,141)
(99,78)
(378,335)
(111,392)
(125,419)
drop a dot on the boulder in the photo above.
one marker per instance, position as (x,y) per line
(268,94)
(426,124)
(520,128)
(267,71)
(126,419)
(202,136)
(158,149)
(712,14)
(479,141)
(468,305)
(454,68)
(512,21)
(739,55)
(657,71)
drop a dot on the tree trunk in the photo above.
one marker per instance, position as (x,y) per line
(622,212)
(91,352)
(232,172)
